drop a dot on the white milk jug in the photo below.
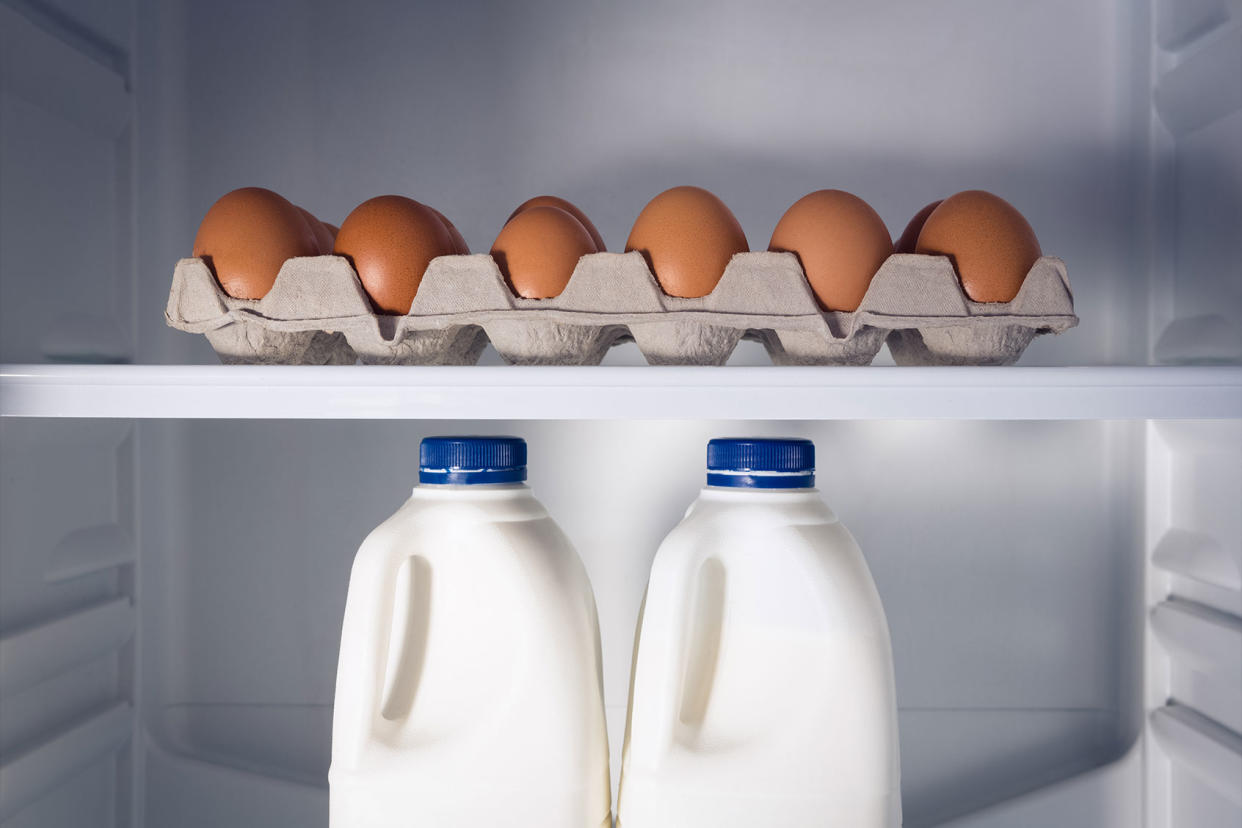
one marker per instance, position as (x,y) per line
(762,692)
(468,689)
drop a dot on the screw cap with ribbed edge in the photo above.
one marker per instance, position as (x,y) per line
(471,460)
(761,463)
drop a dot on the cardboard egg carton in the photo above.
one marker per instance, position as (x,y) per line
(317,313)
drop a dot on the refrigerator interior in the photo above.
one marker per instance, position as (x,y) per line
(1065,595)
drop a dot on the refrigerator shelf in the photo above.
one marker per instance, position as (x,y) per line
(639,393)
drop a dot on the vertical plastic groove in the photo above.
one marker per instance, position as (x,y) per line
(1158,513)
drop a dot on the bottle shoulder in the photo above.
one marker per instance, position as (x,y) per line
(769,506)
(724,524)
(500,503)
(457,510)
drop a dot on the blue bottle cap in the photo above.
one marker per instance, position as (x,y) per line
(467,460)
(761,463)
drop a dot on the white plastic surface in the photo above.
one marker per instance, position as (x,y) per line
(1193,687)
(468,689)
(611,392)
(762,691)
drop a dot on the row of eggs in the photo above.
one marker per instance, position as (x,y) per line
(687,235)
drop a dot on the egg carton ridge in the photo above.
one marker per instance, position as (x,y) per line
(318,313)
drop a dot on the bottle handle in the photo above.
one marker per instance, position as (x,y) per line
(361,669)
(663,655)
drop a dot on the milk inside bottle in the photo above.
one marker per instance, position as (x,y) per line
(468,688)
(762,688)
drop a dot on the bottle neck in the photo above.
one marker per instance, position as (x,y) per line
(751,493)
(804,504)
(469,490)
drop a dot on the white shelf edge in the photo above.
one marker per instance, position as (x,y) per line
(598,392)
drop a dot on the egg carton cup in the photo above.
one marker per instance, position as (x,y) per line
(318,313)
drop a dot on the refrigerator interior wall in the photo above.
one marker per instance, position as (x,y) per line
(170,592)
(68,616)
(69,288)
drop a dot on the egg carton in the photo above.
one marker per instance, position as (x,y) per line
(318,313)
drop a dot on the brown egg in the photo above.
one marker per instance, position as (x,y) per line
(391,240)
(568,207)
(840,241)
(332,228)
(688,236)
(459,244)
(323,237)
(991,244)
(247,235)
(538,249)
(910,237)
